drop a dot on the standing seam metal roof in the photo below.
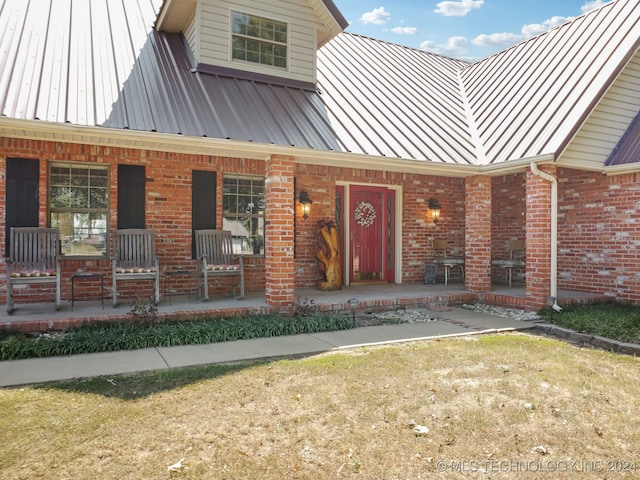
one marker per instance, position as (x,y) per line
(101,63)
(529,99)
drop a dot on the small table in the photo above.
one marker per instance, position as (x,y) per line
(87,276)
(177,273)
(448,263)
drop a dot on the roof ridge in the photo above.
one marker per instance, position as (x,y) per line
(419,50)
(476,139)
(542,34)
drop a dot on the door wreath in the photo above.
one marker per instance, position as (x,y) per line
(364,214)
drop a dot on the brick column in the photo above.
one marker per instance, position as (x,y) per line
(538,238)
(478,233)
(279,225)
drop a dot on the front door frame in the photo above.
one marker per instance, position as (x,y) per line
(346,227)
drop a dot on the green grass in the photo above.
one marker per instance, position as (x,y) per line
(618,321)
(114,336)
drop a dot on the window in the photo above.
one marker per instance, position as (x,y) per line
(243,200)
(258,40)
(78,207)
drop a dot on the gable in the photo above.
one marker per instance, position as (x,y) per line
(607,123)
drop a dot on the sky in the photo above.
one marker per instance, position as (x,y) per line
(464,29)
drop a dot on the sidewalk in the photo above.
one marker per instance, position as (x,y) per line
(455,322)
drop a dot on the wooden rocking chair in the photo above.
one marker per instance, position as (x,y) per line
(135,259)
(34,258)
(214,253)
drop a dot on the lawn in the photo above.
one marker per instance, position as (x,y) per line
(620,321)
(492,406)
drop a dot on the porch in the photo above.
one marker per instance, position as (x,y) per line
(361,299)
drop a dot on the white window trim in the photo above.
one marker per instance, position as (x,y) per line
(91,166)
(256,65)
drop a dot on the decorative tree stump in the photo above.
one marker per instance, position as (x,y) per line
(328,255)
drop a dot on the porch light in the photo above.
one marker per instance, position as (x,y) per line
(306,202)
(435,208)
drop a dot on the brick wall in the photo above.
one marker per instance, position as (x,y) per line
(599,233)
(538,238)
(417,228)
(279,268)
(168,208)
(478,233)
(508,217)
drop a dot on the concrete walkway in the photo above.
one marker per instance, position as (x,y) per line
(453,322)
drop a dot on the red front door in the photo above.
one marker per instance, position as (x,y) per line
(371,234)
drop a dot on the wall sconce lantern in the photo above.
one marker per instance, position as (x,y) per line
(435,208)
(306,202)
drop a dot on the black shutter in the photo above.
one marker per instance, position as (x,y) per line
(131,180)
(22,195)
(203,204)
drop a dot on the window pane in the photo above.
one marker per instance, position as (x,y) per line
(98,198)
(81,233)
(243,204)
(253,46)
(253,31)
(255,39)
(267,30)
(280,52)
(281,32)
(80,177)
(244,186)
(79,197)
(79,201)
(59,176)
(60,197)
(229,204)
(98,178)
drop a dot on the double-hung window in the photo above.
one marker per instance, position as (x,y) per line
(258,40)
(243,213)
(78,208)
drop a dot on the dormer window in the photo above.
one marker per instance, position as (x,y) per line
(259,40)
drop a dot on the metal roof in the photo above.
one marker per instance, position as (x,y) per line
(529,100)
(101,63)
(388,100)
(628,148)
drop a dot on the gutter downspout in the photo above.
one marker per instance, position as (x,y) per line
(554,233)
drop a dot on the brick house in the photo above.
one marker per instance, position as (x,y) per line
(178,115)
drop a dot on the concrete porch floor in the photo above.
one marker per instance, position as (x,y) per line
(365,298)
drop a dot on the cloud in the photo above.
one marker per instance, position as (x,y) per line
(497,39)
(404,30)
(458,9)
(455,46)
(592,5)
(533,29)
(378,16)
(507,39)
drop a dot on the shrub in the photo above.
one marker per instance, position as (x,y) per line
(144,332)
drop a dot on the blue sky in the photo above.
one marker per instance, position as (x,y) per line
(465,29)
